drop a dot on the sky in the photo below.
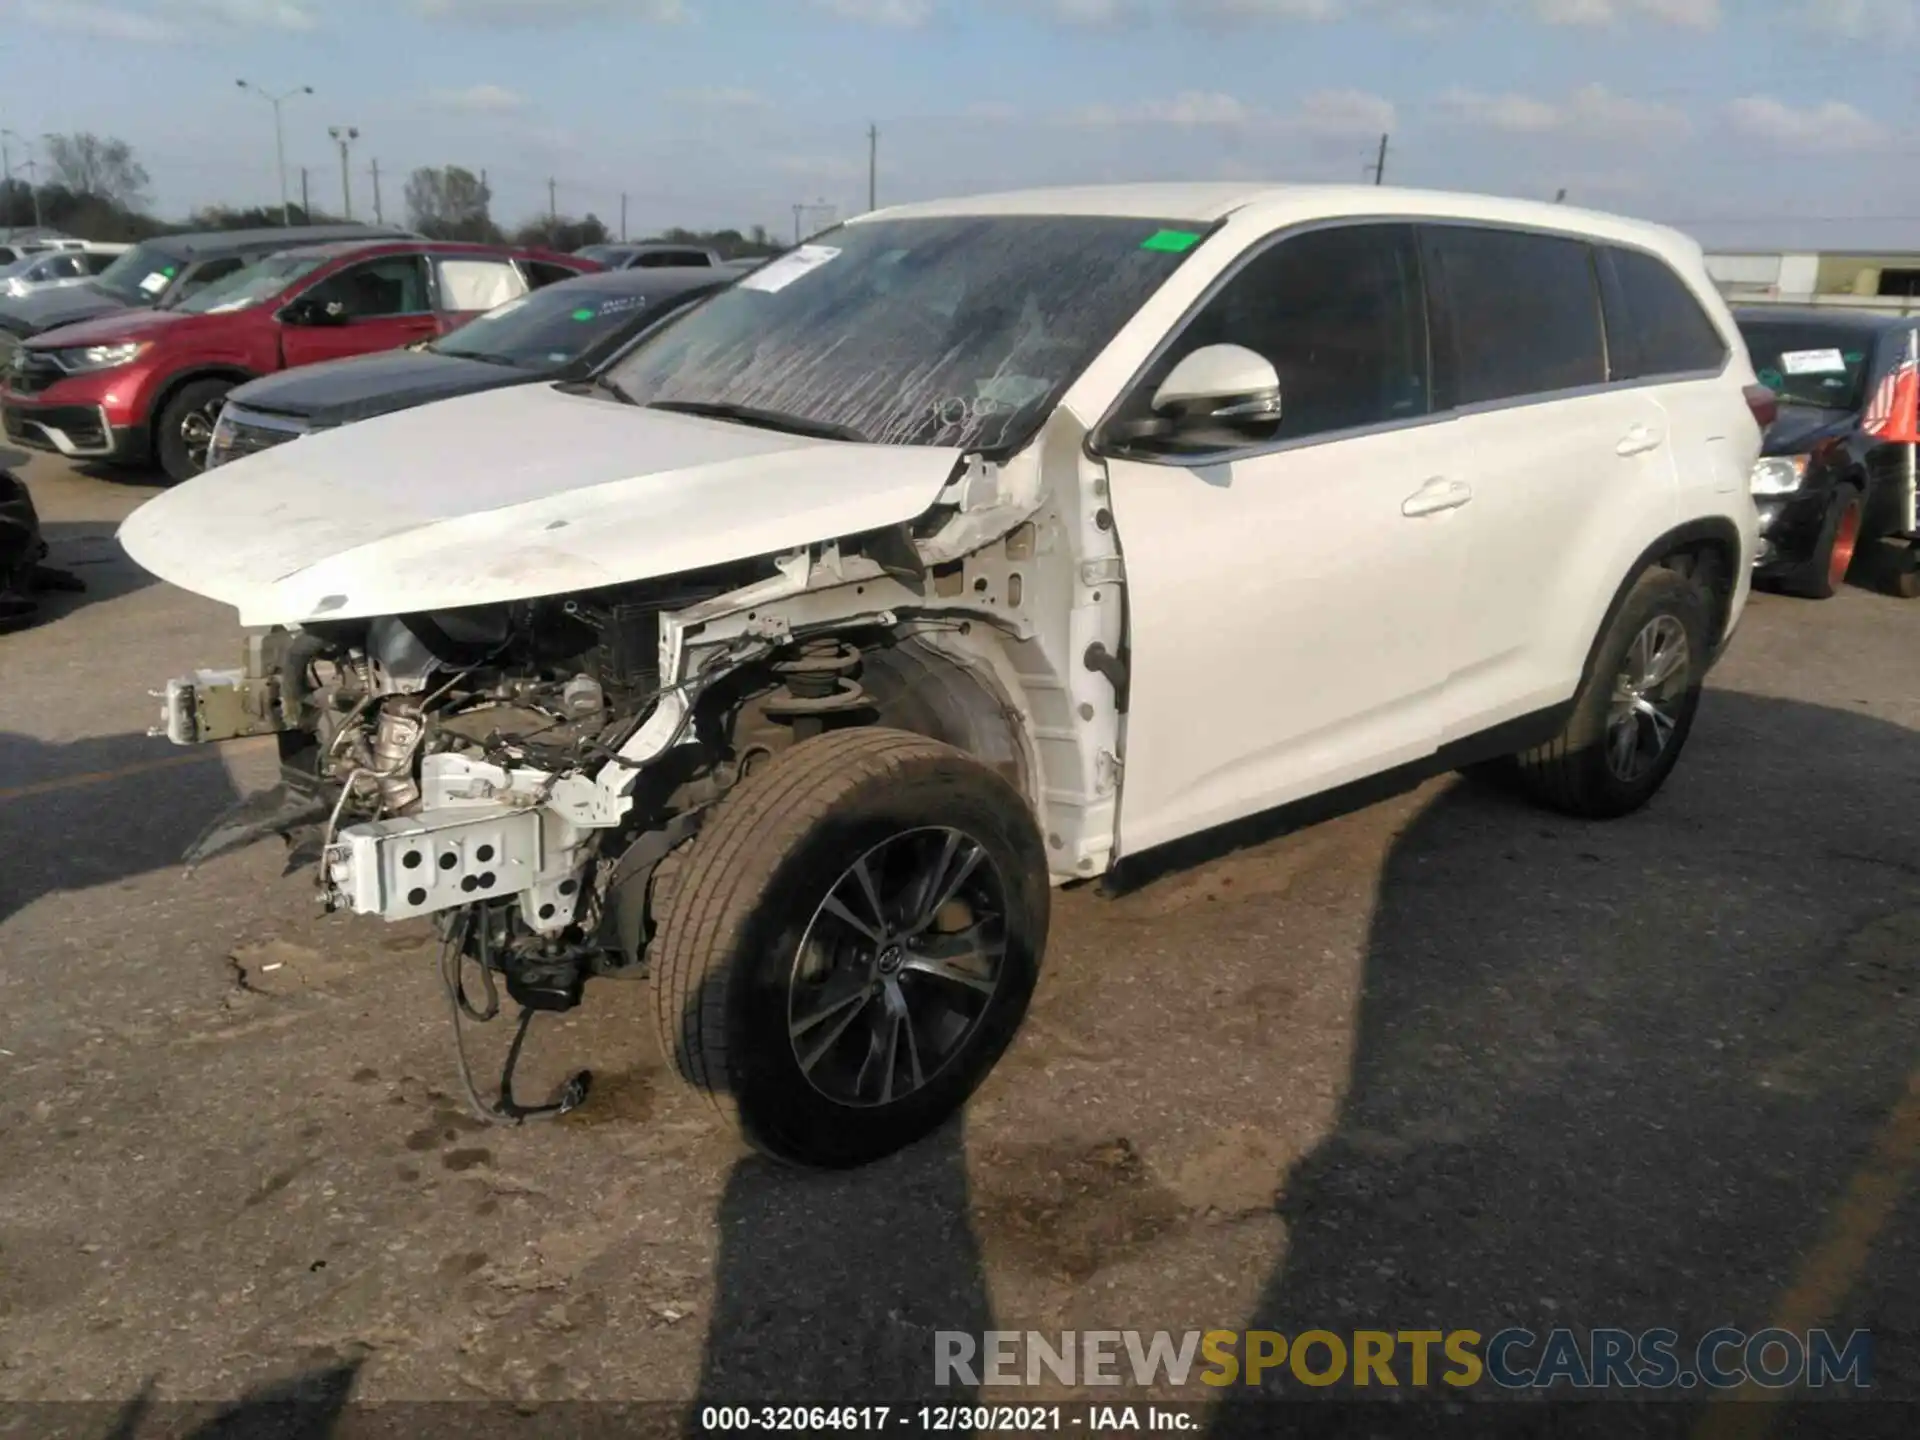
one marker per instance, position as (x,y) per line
(1765,123)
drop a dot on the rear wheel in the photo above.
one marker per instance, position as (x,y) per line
(1635,709)
(185,427)
(1826,569)
(850,944)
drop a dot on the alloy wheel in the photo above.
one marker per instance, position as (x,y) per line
(897,967)
(1648,694)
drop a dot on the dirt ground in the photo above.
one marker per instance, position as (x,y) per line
(1446,1061)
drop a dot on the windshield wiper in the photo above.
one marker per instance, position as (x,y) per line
(764,419)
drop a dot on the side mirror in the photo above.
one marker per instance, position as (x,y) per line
(1218,397)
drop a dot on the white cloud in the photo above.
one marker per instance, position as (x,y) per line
(480,100)
(1335,113)
(1692,14)
(103,22)
(544,12)
(1591,112)
(889,14)
(1864,19)
(725,97)
(1834,126)
(250,14)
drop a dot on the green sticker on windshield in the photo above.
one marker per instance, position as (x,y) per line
(1772,379)
(583,314)
(1171,241)
(1854,357)
(168,270)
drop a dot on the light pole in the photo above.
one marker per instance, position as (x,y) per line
(279,139)
(343,136)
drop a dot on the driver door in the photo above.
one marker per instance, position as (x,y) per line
(374,305)
(1290,603)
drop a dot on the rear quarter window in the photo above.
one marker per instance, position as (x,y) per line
(1655,324)
(1517,314)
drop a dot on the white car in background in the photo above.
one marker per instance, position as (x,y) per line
(54,268)
(973,548)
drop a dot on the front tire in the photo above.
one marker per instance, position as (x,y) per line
(1826,569)
(1634,711)
(851,943)
(185,427)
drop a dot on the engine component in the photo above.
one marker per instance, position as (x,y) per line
(401,728)
(582,697)
(818,681)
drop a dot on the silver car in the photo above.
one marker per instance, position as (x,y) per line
(55,269)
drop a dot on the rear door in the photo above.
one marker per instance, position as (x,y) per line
(378,304)
(470,285)
(1571,474)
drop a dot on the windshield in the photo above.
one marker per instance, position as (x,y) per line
(1810,364)
(950,330)
(249,285)
(140,276)
(603,254)
(550,327)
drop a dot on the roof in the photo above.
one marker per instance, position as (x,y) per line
(1284,204)
(648,280)
(1830,317)
(276,238)
(336,248)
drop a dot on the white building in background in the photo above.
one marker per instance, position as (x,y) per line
(1858,279)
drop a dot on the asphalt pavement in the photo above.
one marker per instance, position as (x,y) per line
(1446,1062)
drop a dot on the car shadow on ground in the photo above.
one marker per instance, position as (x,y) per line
(1628,1074)
(96,811)
(1634,1074)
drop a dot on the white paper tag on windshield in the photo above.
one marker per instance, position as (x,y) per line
(155,283)
(778,274)
(1813,362)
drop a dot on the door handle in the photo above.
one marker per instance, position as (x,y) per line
(1436,495)
(1638,441)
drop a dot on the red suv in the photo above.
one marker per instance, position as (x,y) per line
(140,386)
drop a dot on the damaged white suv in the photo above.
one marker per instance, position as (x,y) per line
(960,553)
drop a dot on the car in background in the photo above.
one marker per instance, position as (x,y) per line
(57,268)
(1828,484)
(564,332)
(160,273)
(651,254)
(143,385)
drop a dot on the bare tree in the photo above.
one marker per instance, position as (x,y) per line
(100,166)
(449,203)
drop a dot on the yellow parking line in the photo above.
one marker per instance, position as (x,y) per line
(1832,1268)
(100,777)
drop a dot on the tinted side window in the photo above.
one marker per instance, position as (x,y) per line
(1655,326)
(98,260)
(391,285)
(1519,313)
(1339,314)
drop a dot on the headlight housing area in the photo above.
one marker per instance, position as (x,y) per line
(1778,474)
(82,358)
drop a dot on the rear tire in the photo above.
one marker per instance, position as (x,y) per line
(1634,711)
(807,976)
(1833,553)
(191,409)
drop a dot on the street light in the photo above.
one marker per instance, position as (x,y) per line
(343,136)
(279,140)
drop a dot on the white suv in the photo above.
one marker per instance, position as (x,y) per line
(972,548)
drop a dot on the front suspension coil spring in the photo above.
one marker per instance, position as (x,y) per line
(817,681)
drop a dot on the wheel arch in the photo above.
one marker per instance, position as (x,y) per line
(175,383)
(1709,545)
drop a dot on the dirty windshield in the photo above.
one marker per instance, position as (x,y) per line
(1811,364)
(262,280)
(949,330)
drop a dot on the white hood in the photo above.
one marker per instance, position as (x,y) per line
(506,496)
